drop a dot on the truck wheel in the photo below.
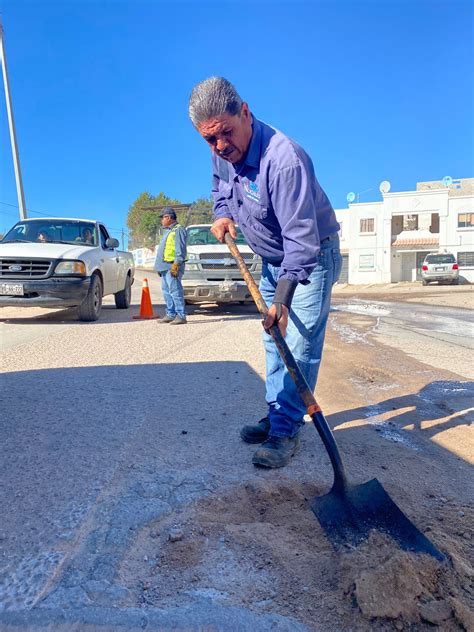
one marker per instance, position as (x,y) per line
(124,297)
(90,308)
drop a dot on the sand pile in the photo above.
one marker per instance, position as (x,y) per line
(387,583)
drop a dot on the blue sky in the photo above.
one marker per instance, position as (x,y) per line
(372,90)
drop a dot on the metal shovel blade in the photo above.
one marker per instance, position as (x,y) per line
(348,514)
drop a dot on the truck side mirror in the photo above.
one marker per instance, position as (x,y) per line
(112,242)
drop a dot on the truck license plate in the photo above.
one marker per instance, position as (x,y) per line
(11,289)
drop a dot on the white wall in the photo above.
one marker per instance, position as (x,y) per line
(364,246)
(460,239)
(413,202)
(343,217)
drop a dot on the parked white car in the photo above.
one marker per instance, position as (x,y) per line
(441,267)
(212,274)
(59,262)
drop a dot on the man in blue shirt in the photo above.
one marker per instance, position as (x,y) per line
(265,182)
(169,263)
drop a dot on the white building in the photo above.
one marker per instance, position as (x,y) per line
(386,242)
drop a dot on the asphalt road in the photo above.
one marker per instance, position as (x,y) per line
(109,427)
(437,335)
(95,421)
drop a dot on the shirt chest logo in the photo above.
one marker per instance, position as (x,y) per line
(251,190)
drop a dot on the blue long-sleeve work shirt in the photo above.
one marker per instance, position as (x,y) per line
(274,196)
(180,249)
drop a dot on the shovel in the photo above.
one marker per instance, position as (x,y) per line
(348,512)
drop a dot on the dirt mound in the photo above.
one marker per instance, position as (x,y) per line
(260,546)
(387,583)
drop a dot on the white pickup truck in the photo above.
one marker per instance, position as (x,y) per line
(59,262)
(212,274)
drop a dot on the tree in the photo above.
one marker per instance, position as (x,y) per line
(144,224)
(200,211)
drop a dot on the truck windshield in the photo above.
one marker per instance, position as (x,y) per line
(56,231)
(202,236)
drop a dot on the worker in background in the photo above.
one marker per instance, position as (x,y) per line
(265,182)
(169,264)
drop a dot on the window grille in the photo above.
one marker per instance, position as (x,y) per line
(366,262)
(465,220)
(367,225)
(466,259)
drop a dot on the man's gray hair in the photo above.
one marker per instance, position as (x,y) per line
(213,97)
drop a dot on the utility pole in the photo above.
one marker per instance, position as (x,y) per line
(11,125)
(123,246)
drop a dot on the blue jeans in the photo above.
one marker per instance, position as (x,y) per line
(305,337)
(173,294)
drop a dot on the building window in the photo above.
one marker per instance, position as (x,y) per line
(434,228)
(367,225)
(410,222)
(465,220)
(466,259)
(366,262)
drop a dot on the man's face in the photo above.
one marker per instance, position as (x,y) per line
(228,136)
(166,221)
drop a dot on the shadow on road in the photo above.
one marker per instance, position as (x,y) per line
(437,407)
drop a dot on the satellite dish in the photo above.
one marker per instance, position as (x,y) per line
(447,181)
(351,197)
(385,186)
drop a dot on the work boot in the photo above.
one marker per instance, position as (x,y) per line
(166,319)
(179,320)
(276,451)
(256,433)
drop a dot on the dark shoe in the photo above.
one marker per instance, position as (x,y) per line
(166,319)
(276,451)
(178,321)
(256,433)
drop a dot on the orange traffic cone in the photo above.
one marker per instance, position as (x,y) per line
(146,308)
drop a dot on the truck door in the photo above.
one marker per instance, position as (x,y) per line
(110,263)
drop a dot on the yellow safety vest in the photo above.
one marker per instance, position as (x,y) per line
(170,246)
